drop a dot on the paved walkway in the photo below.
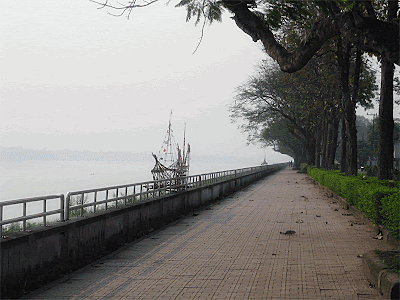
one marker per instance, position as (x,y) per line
(237,249)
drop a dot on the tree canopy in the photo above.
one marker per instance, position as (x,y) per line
(304,108)
(362,23)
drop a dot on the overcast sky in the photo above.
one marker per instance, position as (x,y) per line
(74,77)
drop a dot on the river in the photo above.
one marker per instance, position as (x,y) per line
(38,178)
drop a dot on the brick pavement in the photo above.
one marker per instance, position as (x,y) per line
(237,249)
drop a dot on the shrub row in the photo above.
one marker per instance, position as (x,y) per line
(379,199)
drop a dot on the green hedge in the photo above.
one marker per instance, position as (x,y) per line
(379,199)
(391,211)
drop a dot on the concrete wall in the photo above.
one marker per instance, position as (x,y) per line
(30,260)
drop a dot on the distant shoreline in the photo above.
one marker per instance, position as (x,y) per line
(18,154)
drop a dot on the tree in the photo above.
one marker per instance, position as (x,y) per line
(368,133)
(259,18)
(368,26)
(363,152)
(279,135)
(308,102)
(386,122)
(364,32)
(373,137)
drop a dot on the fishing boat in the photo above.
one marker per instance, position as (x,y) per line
(171,161)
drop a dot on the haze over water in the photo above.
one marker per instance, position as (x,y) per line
(26,179)
(38,178)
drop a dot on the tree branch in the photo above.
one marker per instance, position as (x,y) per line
(370,9)
(370,35)
(124,8)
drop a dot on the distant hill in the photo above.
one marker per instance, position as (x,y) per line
(17,154)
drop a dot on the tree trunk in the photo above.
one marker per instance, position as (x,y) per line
(348,107)
(351,118)
(343,161)
(327,142)
(310,147)
(386,124)
(351,132)
(318,150)
(333,145)
(323,145)
(329,146)
(300,157)
(296,163)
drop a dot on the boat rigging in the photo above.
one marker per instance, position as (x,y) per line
(171,161)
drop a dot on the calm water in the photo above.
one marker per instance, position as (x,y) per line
(38,178)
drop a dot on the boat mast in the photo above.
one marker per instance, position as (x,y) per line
(169,147)
(179,166)
(184,144)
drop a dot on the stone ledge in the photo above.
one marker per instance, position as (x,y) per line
(380,276)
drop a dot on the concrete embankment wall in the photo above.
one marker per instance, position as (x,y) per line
(32,259)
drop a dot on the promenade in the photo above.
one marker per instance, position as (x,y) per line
(280,238)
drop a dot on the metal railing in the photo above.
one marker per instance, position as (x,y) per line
(25,217)
(79,203)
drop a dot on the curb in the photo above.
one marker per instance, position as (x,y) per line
(380,276)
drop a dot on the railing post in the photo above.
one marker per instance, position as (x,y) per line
(95,200)
(67,200)
(126,195)
(1,219)
(82,198)
(62,208)
(44,210)
(24,215)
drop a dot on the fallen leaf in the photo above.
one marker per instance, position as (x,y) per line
(288,232)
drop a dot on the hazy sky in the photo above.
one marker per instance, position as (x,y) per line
(74,77)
